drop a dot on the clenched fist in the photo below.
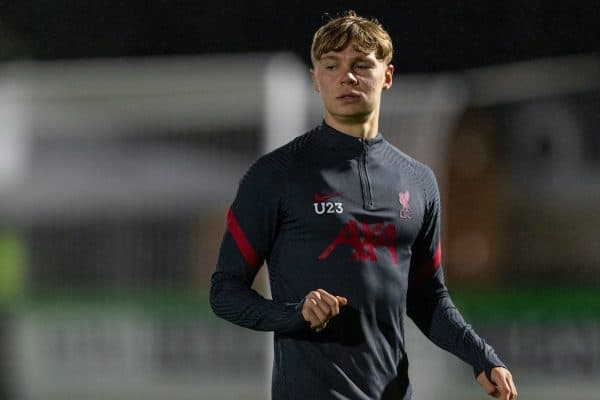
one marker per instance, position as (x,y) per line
(501,386)
(320,306)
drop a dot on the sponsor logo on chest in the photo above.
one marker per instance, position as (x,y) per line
(364,238)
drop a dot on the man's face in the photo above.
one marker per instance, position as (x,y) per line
(350,84)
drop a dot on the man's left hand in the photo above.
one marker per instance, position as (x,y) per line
(501,386)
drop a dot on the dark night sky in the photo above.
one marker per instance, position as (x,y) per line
(428,36)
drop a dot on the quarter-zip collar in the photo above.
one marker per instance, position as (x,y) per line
(339,140)
(358,149)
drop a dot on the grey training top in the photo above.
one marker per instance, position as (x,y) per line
(360,219)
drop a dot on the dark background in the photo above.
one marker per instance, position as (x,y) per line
(428,36)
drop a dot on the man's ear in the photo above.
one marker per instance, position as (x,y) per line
(314,80)
(388,75)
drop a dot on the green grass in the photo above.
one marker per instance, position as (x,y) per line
(480,304)
(12,266)
(529,302)
(172,303)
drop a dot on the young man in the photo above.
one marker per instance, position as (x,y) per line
(350,229)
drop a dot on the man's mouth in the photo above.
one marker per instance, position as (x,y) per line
(348,96)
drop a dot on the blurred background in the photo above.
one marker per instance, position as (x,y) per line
(126,125)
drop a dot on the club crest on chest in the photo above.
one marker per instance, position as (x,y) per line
(404,200)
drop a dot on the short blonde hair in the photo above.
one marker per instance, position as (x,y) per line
(368,34)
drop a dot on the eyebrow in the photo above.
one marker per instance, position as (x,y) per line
(336,58)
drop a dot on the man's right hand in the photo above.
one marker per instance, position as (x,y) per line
(320,306)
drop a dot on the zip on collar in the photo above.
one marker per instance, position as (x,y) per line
(337,139)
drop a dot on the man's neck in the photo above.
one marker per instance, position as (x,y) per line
(362,130)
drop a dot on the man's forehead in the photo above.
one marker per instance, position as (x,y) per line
(348,50)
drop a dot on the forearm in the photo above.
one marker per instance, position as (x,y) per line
(448,330)
(232,300)
(428,302)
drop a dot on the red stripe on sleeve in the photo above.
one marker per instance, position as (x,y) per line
(241,241)
(428,269)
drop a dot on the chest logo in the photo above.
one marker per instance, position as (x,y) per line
(364,238)
(404,200)
(322,206)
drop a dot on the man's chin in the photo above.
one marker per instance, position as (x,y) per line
(353,118)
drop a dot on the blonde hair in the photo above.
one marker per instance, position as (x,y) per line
(368,34)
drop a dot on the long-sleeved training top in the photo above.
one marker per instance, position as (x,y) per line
(360,219)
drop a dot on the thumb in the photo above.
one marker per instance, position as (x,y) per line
(487,385)
(342,300)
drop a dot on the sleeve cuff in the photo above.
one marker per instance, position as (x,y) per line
(296,320)
(488,362)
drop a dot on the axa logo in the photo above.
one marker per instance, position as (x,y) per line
(364,239)
(404,200)
(323,206)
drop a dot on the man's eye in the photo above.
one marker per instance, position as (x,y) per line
(362,66)
(330,66)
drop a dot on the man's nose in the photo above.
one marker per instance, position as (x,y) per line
(348,78)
